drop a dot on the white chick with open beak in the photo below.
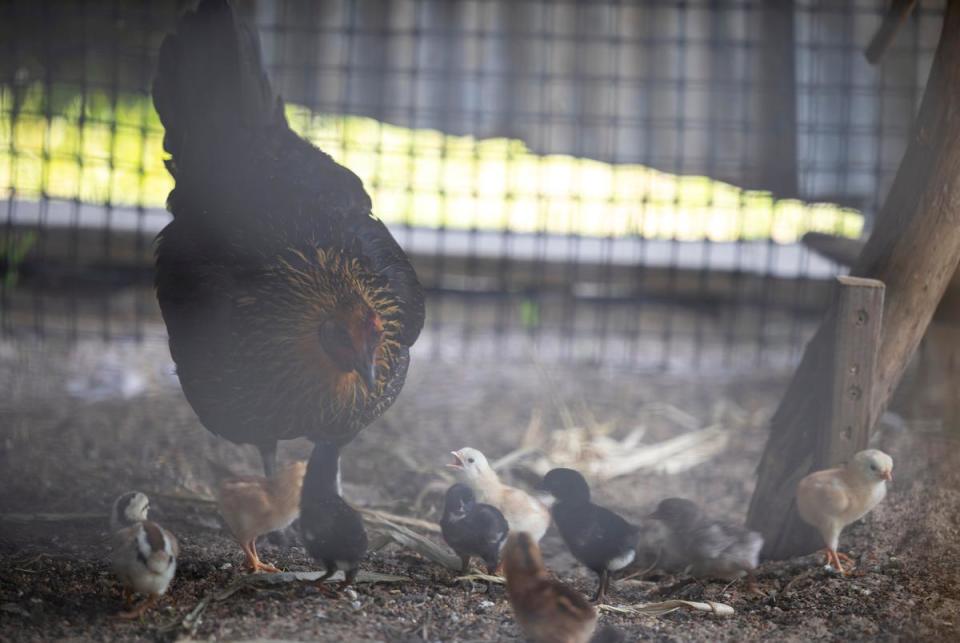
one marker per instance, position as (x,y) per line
(832,499)
(522,511)
(144,555)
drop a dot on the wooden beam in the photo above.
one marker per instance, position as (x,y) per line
(914,250)
(893,19)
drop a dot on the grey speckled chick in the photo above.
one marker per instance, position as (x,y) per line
(710,548)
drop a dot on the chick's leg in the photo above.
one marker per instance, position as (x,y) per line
(321,583)
(138,611)
(349,577)
(835,561)
(601,587)
(260,565)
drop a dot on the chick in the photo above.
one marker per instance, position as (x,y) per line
(472,528)
(332,530)
(832,499)
(253,505)
(144,554)
(546,610)
(596,536)
(708,548)
(522,511)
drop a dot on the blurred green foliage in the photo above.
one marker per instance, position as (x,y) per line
(107,149)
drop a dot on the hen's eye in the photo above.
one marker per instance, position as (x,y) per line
(470,460)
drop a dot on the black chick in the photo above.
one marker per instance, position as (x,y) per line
(596,536)
(332,530)
(708,548)
(473,529)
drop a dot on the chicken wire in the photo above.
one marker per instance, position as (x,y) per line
(612,181)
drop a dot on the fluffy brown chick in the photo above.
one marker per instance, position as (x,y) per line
(253,506)
(546,610)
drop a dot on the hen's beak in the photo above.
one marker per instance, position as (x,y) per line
(366,368)
(887,475)
(457,460)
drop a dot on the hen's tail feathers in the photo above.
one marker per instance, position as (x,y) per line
(211,89)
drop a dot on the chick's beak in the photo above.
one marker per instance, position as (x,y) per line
(457,460)
(887,475)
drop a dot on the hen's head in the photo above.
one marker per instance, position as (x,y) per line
(351,338)
(873,465)
(129,509)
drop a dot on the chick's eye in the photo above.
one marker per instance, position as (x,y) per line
(873,467)
(470,460)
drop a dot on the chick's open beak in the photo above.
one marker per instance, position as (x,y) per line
(457,460)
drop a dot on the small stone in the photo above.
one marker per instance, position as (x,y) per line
(483,606)
(321,614)
(355,605)
(349,593)
(226,566)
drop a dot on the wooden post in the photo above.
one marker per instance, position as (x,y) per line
(914,250)
(859,307)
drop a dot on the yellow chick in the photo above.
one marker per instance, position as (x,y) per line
(144,553)
(253,505)
(546,610)
(832,499)
(522,511)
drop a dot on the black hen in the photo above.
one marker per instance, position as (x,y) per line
(472,528)
(290,308)
(596,536)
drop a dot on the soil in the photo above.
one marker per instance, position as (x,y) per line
(81,424)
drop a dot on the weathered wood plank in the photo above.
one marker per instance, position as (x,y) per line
(856,341)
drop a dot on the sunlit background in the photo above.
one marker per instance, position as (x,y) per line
(611,182)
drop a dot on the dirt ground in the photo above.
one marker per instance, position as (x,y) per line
(79,425)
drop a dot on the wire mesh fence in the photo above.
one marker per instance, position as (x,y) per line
(615,181)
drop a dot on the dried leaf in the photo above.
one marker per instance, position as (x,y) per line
(499,580)
(665,607)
